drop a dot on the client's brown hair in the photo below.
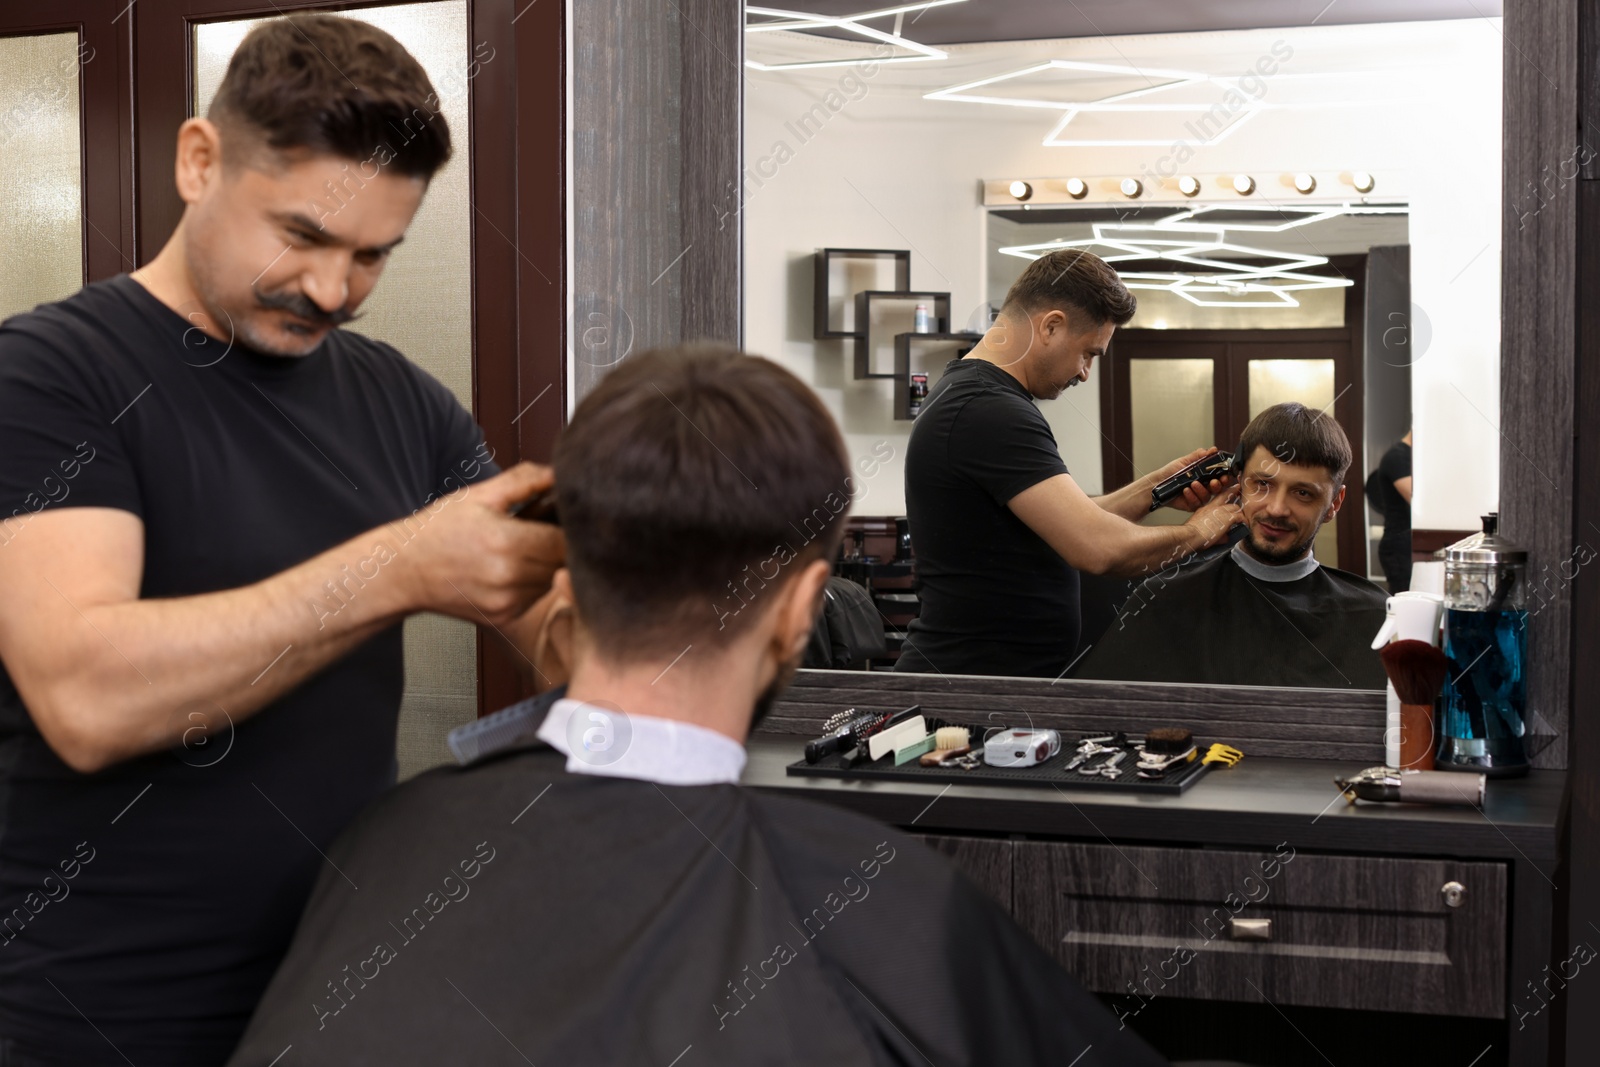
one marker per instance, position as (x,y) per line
(1297,434)
(331,86)
(690,480)
(1072,280)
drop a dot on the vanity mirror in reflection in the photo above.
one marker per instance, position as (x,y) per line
(1270,200)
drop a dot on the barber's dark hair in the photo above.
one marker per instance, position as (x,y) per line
(690,480)
(1072,280)
(331,86)
(1296,434)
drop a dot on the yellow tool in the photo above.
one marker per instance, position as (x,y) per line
(1223,754)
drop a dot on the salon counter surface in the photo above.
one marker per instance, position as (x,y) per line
(1258,802)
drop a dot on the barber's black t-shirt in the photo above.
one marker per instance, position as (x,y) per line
(144,908)
(996,599)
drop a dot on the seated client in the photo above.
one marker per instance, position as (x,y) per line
(1264,612)
(593,885)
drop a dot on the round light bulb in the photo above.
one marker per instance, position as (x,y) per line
(1189,185)
(1243,184)
(1021,190)
(1305,183)
(1362,181)
(1077,188)
(1131,188)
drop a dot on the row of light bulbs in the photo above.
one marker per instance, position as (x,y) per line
(1188,185)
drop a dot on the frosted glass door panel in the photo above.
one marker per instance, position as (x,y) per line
(422,306)
(1173,407)
(41,167)
(1280,381)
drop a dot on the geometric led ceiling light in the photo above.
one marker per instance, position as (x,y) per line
(1235,275)
(1171,79)
(1282,217)
(1224,107)
(779,19)
(1072,104)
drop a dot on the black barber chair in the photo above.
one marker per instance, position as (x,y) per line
(849,632)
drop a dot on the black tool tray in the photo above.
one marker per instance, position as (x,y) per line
(1049,774)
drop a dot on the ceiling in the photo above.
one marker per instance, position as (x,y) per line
(1022,20)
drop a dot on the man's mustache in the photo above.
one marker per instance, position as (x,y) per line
(302,307)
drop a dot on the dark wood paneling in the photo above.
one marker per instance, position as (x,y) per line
(1538,326)
(1305,723)
(711,277)
(984,860)
(657,200)
(1346,932)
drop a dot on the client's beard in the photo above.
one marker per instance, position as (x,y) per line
(774,689)
(1280,556)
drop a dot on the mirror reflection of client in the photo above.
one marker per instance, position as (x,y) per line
(999,527)
(594,886)
(1265,612)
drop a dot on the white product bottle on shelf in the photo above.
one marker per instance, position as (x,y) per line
(920,323)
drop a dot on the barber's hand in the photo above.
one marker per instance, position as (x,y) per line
(1215,518)
(1195,494)
(470,559)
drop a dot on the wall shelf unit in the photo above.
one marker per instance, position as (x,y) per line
(824,294)
(939,317)
(866,312)
(959,344)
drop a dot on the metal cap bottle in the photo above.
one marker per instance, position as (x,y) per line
(1486,644)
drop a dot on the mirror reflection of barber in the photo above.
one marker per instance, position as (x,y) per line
(1001,528)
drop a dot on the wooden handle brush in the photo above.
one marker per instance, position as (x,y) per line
(1417,670)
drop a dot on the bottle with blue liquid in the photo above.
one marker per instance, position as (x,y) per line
(1486,646)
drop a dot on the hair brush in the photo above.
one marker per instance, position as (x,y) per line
(1417,669)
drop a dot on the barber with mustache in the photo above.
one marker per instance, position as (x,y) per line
(220,507)
(1000,528)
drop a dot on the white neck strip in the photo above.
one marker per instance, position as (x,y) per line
(644,747)
(1268,572)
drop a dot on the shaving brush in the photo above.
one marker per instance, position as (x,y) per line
(1417,670)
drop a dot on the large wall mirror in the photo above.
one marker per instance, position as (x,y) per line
(1308,213)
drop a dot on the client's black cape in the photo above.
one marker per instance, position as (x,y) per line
(1211,623)
(512,913)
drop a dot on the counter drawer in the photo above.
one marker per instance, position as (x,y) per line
(1361,932)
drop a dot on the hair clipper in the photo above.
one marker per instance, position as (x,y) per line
(1204,470)
(1416,787)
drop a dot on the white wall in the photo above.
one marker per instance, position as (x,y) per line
(888,169)
(1455,286)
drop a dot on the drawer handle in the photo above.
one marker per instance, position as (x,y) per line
(1454,893)
(1250,929)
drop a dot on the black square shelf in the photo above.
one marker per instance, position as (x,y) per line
(822,296)
(940,319)
(960,343)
